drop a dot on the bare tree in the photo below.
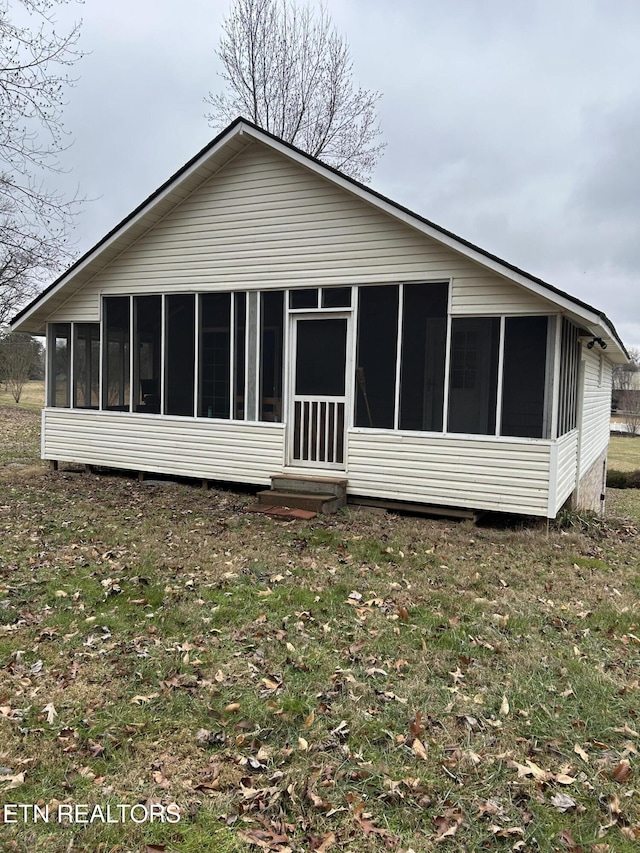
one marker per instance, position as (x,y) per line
(34,219)
(623,374)
(290,72)
(18,356)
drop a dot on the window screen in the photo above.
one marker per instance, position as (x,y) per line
(424,342)
(215,339)
(116,355)
(180,338)
(473,381)
(376,360)
(524,373)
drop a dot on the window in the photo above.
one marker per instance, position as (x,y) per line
(272,345)
(336,297)
(376,357)
(473,380)
(215,341)
(180,337)
(524,377)
(60,365)
(240,326)
(303,298)
(147,353)
(116,354)
(424,342)
(86,365)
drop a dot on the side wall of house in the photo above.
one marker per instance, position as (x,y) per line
(264,222)
(201,448)
(595,425)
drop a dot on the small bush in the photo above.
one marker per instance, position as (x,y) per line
(617,479)
(633,480)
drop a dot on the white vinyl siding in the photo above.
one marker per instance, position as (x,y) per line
(484,295)
(595,409)
(82,307)
(493,474)
(203,448)
(265,221)
(566,468)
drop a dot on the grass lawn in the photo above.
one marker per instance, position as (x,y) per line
(360,682)
(624,453)
(32,396)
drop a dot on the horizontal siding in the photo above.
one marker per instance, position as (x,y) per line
(596,408)
(486,474)
(238,452)
(567,470)
(473,296)
(265,221)
(83,307)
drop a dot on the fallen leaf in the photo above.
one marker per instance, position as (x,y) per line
(10,782)
(51,713)
(418,749)
(563,802)
(504,707)
(622,772)
(567,839)
(328,841)
(580,751)
(564,779)
(232,708)
(143,700)
(303,745)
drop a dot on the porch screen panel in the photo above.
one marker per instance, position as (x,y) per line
(569,371)
(240,321)
(524,373)
(424,343)
(473,383)
(61,365)
(116,354)
(147,353)
(215,356)
(86,365)
(180,339)
(271,351)
(376,356)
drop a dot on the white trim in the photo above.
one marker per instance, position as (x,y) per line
(132,348)
(500,383)
(555,405)
(163,342)
(196,350)
(467,436)
(232,354)
(399,319)
(447,361)
(553,480)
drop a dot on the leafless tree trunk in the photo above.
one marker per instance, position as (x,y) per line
(623,374)
(34,219)
(18,353)
(290,72)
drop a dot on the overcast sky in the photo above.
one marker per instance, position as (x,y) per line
(513,124)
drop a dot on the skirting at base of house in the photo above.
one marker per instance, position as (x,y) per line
(590,493)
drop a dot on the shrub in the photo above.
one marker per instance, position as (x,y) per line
(616,479)
(633,480)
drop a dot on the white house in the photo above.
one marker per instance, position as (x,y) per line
(262,314)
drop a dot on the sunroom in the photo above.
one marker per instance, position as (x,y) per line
(328,372)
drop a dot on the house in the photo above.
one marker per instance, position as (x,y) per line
(261,314)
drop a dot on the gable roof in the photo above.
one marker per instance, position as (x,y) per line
(213,157)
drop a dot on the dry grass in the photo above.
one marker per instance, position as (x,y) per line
(362,682)
(32,396)
(624,453)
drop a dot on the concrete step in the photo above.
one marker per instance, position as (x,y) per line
(314,501)
(336,486)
